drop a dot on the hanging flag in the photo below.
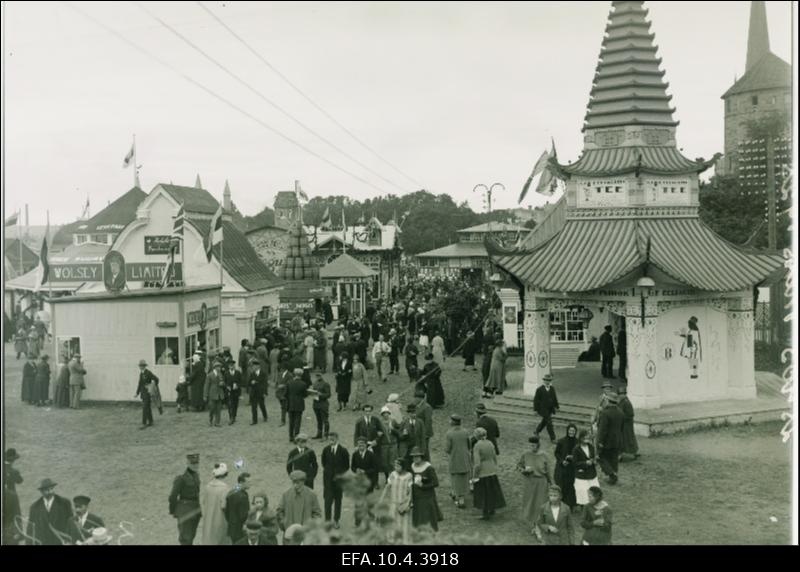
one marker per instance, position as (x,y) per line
(215,233)
(548,183)
(43,273)
(170,264)
(344,224)
(537,168)
(129,157)
(12,220)
(326,219)
(300,192)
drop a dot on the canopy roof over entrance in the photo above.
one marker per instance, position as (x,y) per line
(590,254)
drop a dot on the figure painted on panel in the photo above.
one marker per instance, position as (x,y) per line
(692,347)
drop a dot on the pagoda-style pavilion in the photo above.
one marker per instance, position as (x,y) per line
(629,249)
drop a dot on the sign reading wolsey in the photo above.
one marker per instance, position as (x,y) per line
(95,270)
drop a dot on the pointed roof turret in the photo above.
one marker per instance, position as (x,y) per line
(628,86)
(197,183)
(758,35)
(226,197)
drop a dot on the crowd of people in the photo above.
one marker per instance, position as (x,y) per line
(391,451)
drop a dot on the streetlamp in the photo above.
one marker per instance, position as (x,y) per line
(645,284)
(488,192)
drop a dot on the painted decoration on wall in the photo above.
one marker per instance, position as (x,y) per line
(667,351)
(510,314)
(114,271)
(530,359)
(543,359)
(692,346)
(650,369)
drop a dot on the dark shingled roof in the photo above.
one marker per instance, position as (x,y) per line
(194,200)
(239,257)
(769,72)
(29,258)
(117,215)
(63,237)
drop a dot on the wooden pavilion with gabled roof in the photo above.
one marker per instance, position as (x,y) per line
(630,251)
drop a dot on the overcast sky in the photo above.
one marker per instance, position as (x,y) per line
(453,94)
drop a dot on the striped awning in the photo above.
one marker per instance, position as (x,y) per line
(590,254)
(620,160)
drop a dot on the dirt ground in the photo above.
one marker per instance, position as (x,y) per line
(722,486)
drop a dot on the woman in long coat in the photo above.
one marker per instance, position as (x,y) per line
(497,371)
(41,387)
(630,446)
(308,344)
(344,379)
(437,348)
(468,351)
(535,468)
(398,488)
(197,382)
(423,493)
(359,376)
(212,507)
(487,492)
(565,471)
(61,398)
(29,380)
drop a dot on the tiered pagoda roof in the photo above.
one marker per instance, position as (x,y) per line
(628,86)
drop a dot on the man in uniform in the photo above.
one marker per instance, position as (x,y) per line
(184,500)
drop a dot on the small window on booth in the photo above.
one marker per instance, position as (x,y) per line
(68,347)
(190,346)
(166,351)
(213,340)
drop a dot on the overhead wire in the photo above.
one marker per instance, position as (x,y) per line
(305,96)
(215,95)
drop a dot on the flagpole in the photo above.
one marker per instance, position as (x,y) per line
(135,164)
(19,239)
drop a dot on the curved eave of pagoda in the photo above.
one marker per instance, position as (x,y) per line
(631,122)
(668,110)
(494,248)
(604,51)
(630,96)
(632,71)
(629,60)
(632,83)
(578,169)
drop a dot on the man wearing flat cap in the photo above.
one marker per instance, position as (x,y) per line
(256,382)
(85,521)
(303,458)
(184,500)
(489,424)
(145,389)
(411,434)
(252,535)
(50,518)
(299,505)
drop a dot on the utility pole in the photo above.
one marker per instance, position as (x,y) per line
(775,293)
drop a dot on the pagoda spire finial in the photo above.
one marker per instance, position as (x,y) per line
(197,183)
(226,197)
(758,35)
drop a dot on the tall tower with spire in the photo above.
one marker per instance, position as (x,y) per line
(764,89)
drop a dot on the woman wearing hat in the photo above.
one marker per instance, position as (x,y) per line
(564,474)
(488,496)
(212,507)
(359,374)
(423,493)
(28,380)
(497,371)
(41,387)
(535,469)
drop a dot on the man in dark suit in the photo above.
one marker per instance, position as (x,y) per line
(607,353)
(411,434)
(296,393)
(146,377)
(303,458)
(545,403)
(214,393)
(255,385)
(237,507)
(622,351)
(369,427)
(50,518)
(85,521)
(488,423)
(364,462)
(233,388)
(335,463)
(184,500)
(609,438)
(321,406)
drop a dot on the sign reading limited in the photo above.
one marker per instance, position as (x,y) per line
(93,272)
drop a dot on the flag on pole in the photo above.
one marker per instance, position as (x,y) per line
(215,233)
(175,240)
(177,226)
(326,219)
(344,224)
(537,168)
(300,192)
(12,220)
(129,157)
(44,267)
